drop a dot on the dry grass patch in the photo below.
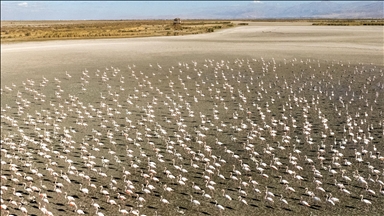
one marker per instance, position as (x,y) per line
(350,22)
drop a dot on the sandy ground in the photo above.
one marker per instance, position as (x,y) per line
(274,96)
(348,44)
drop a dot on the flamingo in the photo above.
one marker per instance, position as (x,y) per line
(195,186)
(226,195)
(367,202)
(243,200)
(220,207)
(206,195)
(303,202)
(103,191)
(195,202)
(83,190)
(112,202)
(283,181)
(328,200)
(17,193)
(334,199)
(164,200)
(97,206)
(23,209)
(141,199)
(283,201)
(124,212)
(79,211)
(266,197)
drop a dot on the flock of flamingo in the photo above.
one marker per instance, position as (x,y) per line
(215,137)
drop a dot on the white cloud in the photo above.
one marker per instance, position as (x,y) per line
(23,4)
(257,2)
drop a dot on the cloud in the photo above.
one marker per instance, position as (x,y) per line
(257,2)
(23,4)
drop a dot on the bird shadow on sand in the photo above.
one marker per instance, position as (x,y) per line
(229,207)
(287,209)
(315,208)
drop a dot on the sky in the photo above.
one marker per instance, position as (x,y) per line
(107,10)
(90,10)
